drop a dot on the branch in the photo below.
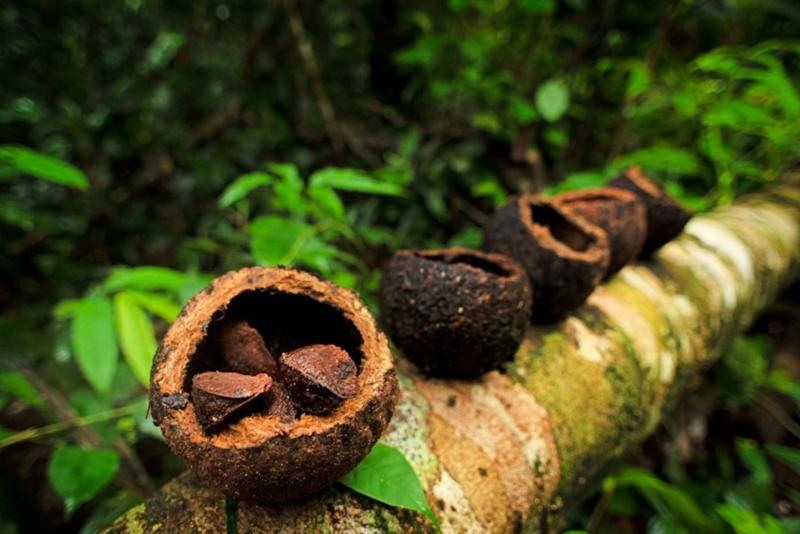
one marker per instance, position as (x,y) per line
(518,450)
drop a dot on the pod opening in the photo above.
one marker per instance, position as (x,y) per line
(465,258)
(561,228)
(285,321)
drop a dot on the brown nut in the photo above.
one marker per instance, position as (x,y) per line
(564,255)
(455,312)
(619,213)
(219,396)
(279,403)
(665,217)
(244,351)
(261,457)
(319,377)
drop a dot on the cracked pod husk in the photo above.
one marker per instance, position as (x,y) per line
(564,255)
(619,213)
(455,312)
(263,457)
(665,217)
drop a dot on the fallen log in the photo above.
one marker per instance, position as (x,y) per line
(517,450)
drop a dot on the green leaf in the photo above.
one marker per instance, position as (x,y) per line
(744,521)
(788,455)
(289,188)
(658,158)
(386,476)
(276,240)
(136,336)
(163,49)
(147,277)
(578,180)
(93,342)
(353,180)
(164,307)
(665,496)
(328,201)
(43,166)
(242,186)
(79,474)
(552,100)
(15,384)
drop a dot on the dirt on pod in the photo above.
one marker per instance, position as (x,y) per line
(619,213)
(665,217)
(261,454)
(455,312)
(564,255)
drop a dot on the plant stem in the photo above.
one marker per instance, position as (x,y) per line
(55,428)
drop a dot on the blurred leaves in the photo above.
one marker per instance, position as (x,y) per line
(42,166)
(93,341)
(79,474)
(136,336)
(552,100)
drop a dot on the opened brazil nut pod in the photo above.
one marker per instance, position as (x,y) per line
(665,217)
(455,312)
(258,456)
(564,255)
(619,213)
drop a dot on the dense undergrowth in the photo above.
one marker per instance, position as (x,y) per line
(204,136)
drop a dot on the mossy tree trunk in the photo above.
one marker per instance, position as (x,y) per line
(518,449)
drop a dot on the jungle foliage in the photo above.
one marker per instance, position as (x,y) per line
(147,145)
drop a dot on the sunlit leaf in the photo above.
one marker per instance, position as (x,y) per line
(277,240)
(386,476)
(353,180)
(327,199)
(43,166)
(136,336)
(242,186)
(659,158)
(552,100)
(79,474)
(14,384)
(93,342)
(163,306)
(146,277)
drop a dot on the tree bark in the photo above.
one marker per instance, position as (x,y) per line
(517,450)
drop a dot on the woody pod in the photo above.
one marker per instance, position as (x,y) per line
(263,453)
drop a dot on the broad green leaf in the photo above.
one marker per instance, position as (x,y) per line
(347,179)
(578,180)
(659,158)
(289,187)
(15,384)
(788,455)
(79,474)
(147,277)
(163,49)
(276,240)
(744,521)
(328,201)
(552,100)
(43,166)
(386,476)
(163,306)
(136,336)
(66,309)
(242,186)
(663,495)
(93,342)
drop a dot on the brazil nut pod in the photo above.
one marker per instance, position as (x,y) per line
(455,312)
(665,217)
(619,213)
(263,450)
(564,255)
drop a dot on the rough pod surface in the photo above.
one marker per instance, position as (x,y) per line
(665,217)
(621,215)
(564,255)
(455,312)
(516,451)
(263,457)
